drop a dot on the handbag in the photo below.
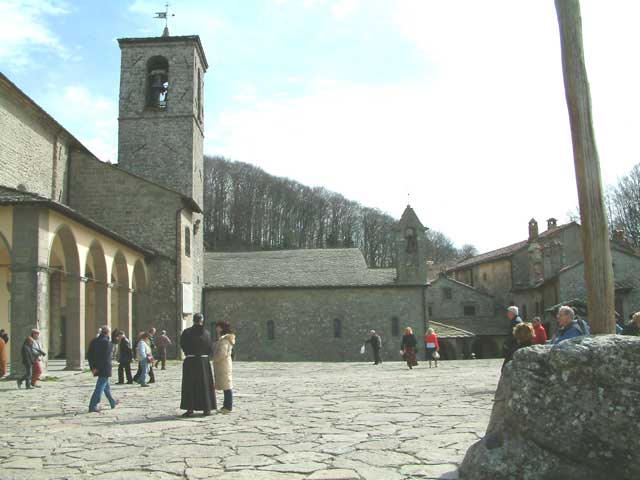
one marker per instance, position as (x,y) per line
(150,359)
(436,355)
(362,350)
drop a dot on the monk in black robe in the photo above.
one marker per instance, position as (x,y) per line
(198,390)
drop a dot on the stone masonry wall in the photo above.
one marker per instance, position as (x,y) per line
(304,321)
(33,151)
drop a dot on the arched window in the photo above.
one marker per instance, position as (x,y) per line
(271,330)
(337,328)
(187,241)
(157,82)
(395,327)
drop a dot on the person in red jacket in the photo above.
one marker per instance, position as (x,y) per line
(541,333)
(432,346)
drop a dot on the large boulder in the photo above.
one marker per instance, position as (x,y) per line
(564,412)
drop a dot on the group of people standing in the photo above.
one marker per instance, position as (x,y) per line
(32,354)
(198,386)
(408,347)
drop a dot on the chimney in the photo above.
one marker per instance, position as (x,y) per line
(552,223)
(533,230)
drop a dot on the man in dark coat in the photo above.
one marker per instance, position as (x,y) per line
(376,344)
(125,356)
(198,391)
(99,357)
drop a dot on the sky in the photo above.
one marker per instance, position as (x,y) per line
(456,105)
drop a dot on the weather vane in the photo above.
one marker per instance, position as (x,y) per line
(165,15)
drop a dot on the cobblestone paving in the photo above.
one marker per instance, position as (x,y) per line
(292,421)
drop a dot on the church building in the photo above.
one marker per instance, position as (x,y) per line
(85,243)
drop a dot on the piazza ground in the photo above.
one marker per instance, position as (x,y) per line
(292,421)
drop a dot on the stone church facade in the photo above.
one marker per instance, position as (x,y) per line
(85,243)
(319,305)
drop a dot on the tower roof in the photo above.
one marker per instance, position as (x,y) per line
(168,39)
(410,219)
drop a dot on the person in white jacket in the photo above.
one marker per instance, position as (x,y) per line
(144,353)
(223,365)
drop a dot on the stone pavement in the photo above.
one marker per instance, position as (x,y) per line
(316,421)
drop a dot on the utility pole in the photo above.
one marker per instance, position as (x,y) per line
(598,265)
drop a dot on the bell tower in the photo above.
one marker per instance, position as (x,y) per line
(411,249)
(161,115)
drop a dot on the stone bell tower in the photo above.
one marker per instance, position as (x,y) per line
(161,115)
(411,249)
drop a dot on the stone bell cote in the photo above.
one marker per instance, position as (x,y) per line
(411,249)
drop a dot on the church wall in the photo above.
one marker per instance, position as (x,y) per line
(304,321)
(626,268)
(144,213)
(33,149)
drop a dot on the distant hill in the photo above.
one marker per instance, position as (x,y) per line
(249,209)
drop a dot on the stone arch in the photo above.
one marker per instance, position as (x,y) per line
(486,347)
(96,305)
(140,299)
(6,260)
(120,294)
(66,329)
(448,349)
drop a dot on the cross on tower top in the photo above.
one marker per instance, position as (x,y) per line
(165,16)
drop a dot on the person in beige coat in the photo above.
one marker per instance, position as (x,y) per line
(222,364)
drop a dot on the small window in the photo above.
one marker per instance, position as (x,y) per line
(484,276)
(469,310)
(447,293)
(430,308)
(187,241)
(337,328)
(524,312)
(271,330)
(395,327)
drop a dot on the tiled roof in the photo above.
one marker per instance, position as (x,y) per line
(293,268)
(447,331)
(11,196)
(507,251)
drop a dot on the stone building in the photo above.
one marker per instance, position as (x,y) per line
(85,243)
(320,304)
(547,269)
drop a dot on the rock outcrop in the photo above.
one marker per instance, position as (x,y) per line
(564,412)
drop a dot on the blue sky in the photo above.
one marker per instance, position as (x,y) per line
(459,103)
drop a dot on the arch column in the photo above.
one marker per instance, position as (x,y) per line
(125,307)
(75,332)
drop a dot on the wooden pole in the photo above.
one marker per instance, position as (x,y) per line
(595,232)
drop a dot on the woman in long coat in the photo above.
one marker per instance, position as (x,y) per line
(223,364)
(408,347)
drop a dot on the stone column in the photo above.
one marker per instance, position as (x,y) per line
(29,280)
(125,309)
(108,292)
(75,323)
(103,304)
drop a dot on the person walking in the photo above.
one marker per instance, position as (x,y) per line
(432,346)
(162,344)
(4,339)
(144,355)
(38,353)
(152,346)
(223,364)
(100,357)
(27,362)
(408,347)
(541,333)
(125,356)
(376,345)
(198,388)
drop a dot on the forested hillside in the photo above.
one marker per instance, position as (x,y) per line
(249,209)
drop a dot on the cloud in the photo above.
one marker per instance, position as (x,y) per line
(24,29)
(94,118)
(343,9)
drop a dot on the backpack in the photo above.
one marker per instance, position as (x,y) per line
(583,326)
